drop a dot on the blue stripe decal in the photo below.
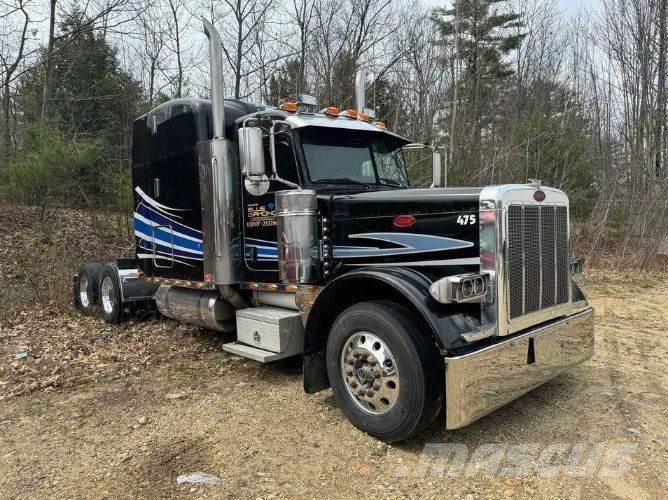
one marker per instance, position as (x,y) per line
(166,249)
(168,237)
(256,242)
(410,244)
(162,220)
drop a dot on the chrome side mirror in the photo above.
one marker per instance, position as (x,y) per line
(251,156)
(437,180)
(251,151)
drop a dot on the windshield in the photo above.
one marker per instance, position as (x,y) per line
(353,156)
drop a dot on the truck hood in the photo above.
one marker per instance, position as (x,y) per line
(405,201)
(429,229)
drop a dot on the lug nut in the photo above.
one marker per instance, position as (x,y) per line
(376,374)
(361,392)
(372,361)
(369,392)
(353,385)
(376,386)
(349,373)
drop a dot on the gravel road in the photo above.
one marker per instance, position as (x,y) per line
(89,410)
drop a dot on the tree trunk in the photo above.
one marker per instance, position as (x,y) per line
(46,92)
(6,111)
(661,117)
(177,40)
(453,122)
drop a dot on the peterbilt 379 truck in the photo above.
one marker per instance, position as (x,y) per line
(298,230)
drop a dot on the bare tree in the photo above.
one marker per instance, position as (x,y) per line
(10,65)
(176,26)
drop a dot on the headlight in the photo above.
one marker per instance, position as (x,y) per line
(470,287)
(576,266)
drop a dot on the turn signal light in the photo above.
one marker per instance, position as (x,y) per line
(380,124)
(470,287)
(364,117)
(289,106)
(350,113)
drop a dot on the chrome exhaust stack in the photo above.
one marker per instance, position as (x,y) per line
(216,70)
(360,84)
(219,178)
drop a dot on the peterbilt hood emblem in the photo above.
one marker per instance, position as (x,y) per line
(403,221)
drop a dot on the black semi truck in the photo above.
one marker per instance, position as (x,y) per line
(298,230)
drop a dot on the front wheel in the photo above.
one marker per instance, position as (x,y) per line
(386,374)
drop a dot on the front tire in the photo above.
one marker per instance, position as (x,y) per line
(386,375)
(111,305)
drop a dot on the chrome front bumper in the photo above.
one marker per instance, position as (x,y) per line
(482,381)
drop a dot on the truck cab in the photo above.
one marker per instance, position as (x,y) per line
(297,228)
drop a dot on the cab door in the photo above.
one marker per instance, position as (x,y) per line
(259,213)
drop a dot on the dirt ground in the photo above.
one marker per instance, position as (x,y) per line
(88,410)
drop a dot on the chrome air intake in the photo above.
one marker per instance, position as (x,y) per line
(298,255)
(524,245)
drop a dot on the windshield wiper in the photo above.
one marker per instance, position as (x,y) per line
(391,182)
(344,180)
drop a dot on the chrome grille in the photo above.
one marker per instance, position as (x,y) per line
(537,258)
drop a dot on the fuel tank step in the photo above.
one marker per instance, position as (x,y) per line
(253,353)
(267,333)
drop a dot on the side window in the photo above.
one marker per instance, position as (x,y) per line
(286,166)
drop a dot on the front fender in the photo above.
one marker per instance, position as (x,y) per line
(444,324)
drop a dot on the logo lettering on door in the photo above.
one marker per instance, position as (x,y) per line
(261,215)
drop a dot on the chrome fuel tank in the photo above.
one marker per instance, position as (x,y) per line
(198,307)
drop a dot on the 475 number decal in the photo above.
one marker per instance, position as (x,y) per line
(467,220)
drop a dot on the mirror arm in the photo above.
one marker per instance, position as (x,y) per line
(272,146)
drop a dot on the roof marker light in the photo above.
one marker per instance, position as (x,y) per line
(289,106)
(332,111)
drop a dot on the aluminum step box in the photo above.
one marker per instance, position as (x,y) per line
(271,333)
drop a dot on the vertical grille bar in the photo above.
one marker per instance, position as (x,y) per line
(531,258)
(515,264)
(548,252)
(561,224)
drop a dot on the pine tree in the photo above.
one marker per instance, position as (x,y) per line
(483,36)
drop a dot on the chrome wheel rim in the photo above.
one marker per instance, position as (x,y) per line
(370,373)
(107,295)
(83,291)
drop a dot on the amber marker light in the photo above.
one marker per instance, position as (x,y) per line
(289,106)
(332,111)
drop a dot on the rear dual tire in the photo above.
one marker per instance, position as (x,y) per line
(385,373)
(111,305)
(86,288)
